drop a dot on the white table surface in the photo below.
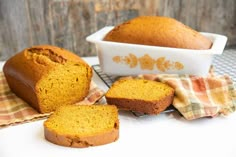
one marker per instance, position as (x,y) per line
(162,135)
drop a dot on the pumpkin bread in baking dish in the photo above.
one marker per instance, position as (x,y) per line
(140,95)
(158,31)
(83,125)
(47,77)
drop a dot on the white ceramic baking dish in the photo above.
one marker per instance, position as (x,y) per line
(132,59)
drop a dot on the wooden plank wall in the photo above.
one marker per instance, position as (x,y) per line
(66,23)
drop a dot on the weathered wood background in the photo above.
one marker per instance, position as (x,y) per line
(66,23)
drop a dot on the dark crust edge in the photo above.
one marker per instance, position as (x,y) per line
(82,142)
(142,106)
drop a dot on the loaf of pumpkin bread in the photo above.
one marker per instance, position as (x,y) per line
(158,31)
(47,77)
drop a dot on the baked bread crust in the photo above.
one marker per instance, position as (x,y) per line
(27,69)
(158,31)
(142,106)
(82,142)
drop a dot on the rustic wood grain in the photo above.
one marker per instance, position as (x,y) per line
(14,27)
(66,23)
(216,16)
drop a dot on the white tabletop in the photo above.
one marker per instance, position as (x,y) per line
(162,135)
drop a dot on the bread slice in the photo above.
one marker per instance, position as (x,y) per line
(144,96)
(47,77)
(82,125)
(158,31)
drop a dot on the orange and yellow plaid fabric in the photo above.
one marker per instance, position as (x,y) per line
(197,97)
(14,110)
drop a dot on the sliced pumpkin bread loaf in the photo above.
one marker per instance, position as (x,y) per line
(144,96)
(47,77)
(82,125)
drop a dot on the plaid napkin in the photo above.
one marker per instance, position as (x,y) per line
(197,97)
(14,110)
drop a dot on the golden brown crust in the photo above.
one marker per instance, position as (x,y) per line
(81,142)
(158,31)
(59,52)
(24,70)
(142,106)
(20,65)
